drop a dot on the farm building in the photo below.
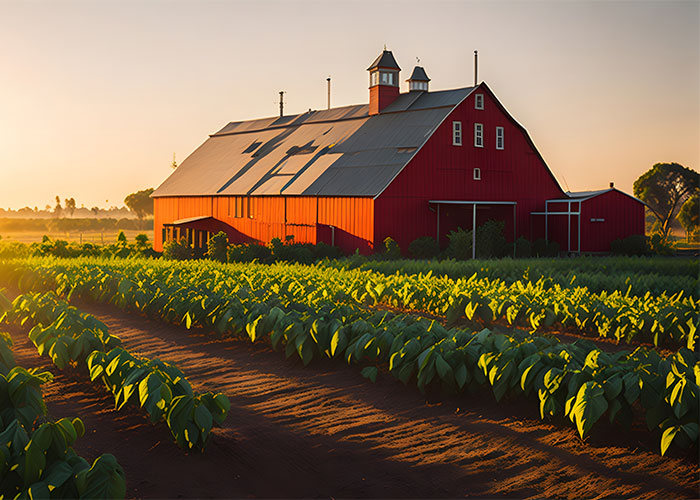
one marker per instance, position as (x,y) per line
(406,165)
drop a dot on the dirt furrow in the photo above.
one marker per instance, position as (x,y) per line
(323,430)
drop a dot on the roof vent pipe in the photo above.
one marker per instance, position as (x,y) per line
(281,103)
(476,67)
(612,185)
(329,91)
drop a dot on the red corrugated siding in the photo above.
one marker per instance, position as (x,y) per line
(441,171)
(624,216)
(276,217)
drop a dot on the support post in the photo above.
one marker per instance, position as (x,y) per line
(546,221)
(473,230)
(568,233)
(437,236)
(579,228)
(514,232)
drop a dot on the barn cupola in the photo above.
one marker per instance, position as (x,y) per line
(419,80)
(383,82)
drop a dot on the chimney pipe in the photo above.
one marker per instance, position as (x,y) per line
(476,67)
(281,103)
(612,185)
(329,91)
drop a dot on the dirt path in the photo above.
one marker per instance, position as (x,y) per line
(324,431)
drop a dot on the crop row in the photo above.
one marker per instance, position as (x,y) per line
(663,320)
(576,380)
(638,274)
(71,337)
(40,462)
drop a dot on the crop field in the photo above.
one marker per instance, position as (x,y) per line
(479,379)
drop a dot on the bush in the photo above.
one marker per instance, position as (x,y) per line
(248,252)
(424,247)
(217,247)
(523,248)
(490,242)
(291,252)
(460,246)
(177,250)
(659,245)
(632,245)
(324,251)
(391,249)
(544,248)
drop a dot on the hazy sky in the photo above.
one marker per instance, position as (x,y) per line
(96,96)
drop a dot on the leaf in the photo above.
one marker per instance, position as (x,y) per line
(589,406)
(667,438)
(370,372)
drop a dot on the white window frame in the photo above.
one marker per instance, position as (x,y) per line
(478,135)
(479,101)
(477,174)
(456,133)
(500,138)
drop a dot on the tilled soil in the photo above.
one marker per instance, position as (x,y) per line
(324,431)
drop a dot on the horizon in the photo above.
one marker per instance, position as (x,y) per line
(100,95)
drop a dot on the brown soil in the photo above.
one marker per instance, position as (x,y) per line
(324,431)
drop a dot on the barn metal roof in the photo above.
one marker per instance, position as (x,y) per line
(419,75)
(384,60)
(336,152)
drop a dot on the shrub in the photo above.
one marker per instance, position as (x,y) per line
(460,246)
(248,252)
(632,245)
(523,248)
(424,247)
(391,249)
(121,237)
(177,250)
(291,252)
(544,248)
(490,241)
(217,246)
(325,251)
(660,245)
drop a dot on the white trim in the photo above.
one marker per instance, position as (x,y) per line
(477,174)
(500,138)
(456,133)
(478,135)
(479,101)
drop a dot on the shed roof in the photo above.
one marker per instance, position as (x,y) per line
(336,152)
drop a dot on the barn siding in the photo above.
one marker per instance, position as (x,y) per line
(624,216)
(441,171)
(277,217)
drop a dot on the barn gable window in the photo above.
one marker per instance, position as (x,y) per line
(456,133)
(499,138)
(477,174)
(250,207)
(478,135)
(479,101)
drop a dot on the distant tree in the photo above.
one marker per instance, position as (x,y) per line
(664,188)
(70,205)
(58,208)
(689,216)
(140,203)
(95,210)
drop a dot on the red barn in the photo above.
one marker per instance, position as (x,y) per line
(406,165)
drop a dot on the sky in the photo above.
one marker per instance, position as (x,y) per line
(96,96)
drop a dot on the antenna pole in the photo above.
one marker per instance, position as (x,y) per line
(281,103)
(476,67)
(329,91)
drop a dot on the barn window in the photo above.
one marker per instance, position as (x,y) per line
(478,135)
(499,138)
(477,174)
(479,101)
(251,207)
(456,133)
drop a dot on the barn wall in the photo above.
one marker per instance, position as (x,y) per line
(624,216)
(441,171)
(276,217)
